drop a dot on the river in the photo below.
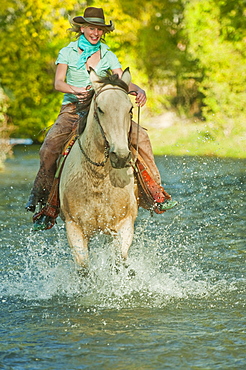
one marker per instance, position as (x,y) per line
(182,308)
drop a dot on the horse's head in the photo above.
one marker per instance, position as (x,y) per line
(113,111)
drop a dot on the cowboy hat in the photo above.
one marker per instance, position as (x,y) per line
(94,16)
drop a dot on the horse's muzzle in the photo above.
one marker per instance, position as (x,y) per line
(120,161)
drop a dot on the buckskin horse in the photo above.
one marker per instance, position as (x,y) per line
(97,191)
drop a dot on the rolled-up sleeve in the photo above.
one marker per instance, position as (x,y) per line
(62,56)
(113,60)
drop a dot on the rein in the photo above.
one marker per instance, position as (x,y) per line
(106,148)
(138,123)
(98,164)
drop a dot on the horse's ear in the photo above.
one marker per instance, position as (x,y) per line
(126,76)
(94,79)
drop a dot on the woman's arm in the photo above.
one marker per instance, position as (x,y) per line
(62,86)
(140,93)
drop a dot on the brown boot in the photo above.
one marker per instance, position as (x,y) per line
(33,200)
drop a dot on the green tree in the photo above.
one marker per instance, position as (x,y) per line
(189,54)
(216,33)
(31,34)
(5,129)
(152,33)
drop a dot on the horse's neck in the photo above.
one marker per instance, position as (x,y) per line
(92,139)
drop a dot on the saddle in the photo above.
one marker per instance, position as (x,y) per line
(149,192)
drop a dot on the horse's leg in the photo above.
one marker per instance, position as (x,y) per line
(79,244)
(124,237)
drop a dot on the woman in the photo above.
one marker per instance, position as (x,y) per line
(72,78)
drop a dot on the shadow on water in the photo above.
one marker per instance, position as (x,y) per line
(180,298)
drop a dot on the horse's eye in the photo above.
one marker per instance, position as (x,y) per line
(100,111)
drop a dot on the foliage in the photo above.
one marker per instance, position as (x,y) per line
(149,37)
(188,54)
(31,37)
(4,129)
(216,33)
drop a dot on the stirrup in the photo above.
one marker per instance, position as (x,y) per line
(166,205)
(42,222)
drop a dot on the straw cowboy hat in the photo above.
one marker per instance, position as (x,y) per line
(94,16)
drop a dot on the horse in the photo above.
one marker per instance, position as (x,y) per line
(97,188)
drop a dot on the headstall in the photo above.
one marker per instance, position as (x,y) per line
(106,147)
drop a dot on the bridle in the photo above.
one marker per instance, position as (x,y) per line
(106,145)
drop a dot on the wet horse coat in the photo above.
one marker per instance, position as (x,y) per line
(97,191)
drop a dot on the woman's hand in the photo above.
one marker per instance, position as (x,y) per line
(79,92)
(62,86)
(140,94)
(140,97)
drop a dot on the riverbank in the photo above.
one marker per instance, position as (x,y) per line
(171,135)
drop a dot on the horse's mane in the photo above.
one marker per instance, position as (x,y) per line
(84,105)
(113,79)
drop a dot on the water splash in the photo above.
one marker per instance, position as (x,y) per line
(160,269)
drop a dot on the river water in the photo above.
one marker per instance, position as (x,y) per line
(182,308)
